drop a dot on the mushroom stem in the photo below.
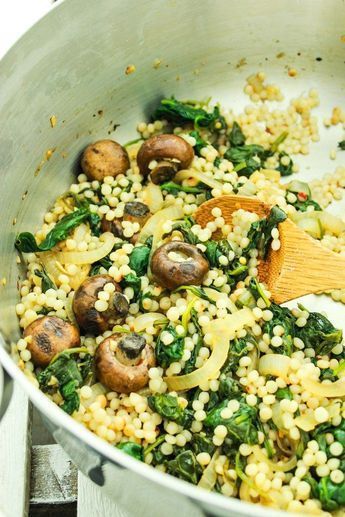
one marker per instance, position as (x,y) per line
(129,348)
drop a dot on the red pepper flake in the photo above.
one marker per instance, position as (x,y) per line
(302,196)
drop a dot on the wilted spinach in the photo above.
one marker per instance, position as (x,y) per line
(341,145)
(185,466)
(139,259)
(133,449)
(167,354)
(241,426)
(46,281)
(215,249)
(319,333)
(250,156)
(190,363)
(174,188)
(257,291)
(283,393)
(283,317)
(200,442)
(184,112)
(259,234)
(331,495)
(168,407)
(200,142)
(238,348)
(236,136)
(131,280)
(70,375)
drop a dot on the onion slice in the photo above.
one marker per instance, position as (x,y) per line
(209,476)
(153,197)
(329,390)
(202,177)
(170,213)
(221,330)
(274,465)
(274,364)
(306,422)
(148,319)
(87,257)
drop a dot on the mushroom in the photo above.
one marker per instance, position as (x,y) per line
(123,362)
(178,263)
(170,151)
(113,226)
(136,212)
(88,317)
(50,335)
(104,158)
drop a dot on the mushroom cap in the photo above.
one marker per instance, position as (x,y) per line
(164,171)
(49,336)
(164,147)
(117,376)
(104,158)
(85,297)
(136,212)
(113,227)
(171,273)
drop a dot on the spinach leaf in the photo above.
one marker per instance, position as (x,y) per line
(257,291)
(139,259)
(241,426)
(200,442)
(185,228)
(47,282)
(200,142)
(282,316)
(185,466)
(215,249)
(319,334)
(26,242)
(331,495)
(238,348)
(229,388)
(105,263)
(175,188)
(190,364)
(183,112)
(283,393)
(285,170)
(341,145)
(133,449)
(69,375)
(167,354)
(259,234)
(154,449)
(236,137)
(249,155)
(168,407)
(131,280)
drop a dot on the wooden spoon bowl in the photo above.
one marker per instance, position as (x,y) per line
(301,266)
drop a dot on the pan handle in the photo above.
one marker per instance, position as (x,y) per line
(6,389)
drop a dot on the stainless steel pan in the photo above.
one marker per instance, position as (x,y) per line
(72,65)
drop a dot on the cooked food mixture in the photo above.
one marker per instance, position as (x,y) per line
(156,334)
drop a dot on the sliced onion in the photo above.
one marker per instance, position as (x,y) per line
(148,319)
(87,257)
(271,174)
(80,233)
(247,189)
(153,197)
(221,331)
(306,422)
(69,311)
(274,465)
(231,323)
(274,364)
(215,295)
(209,476)
(329,222)
(329,390)
(186,315)
(277,415)
(76,280)
(54,269)
(203,178)
(170,213)
(311,226)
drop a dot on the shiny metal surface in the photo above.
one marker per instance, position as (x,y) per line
(72,65)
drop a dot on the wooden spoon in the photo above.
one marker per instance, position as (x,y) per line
(301,266)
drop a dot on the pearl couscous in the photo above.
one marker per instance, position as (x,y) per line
(155,333)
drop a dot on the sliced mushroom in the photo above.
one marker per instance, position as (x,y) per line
(123,362)
(104,158)
(172,272)
(50,335)
(136,212)
(170,151)
(113,226)
(88,317)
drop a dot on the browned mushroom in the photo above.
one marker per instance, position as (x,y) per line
(123,362)
(113,226)
(104,158)
(170,151)
(88,317)
(189,269)
(136,212)
(50,335)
